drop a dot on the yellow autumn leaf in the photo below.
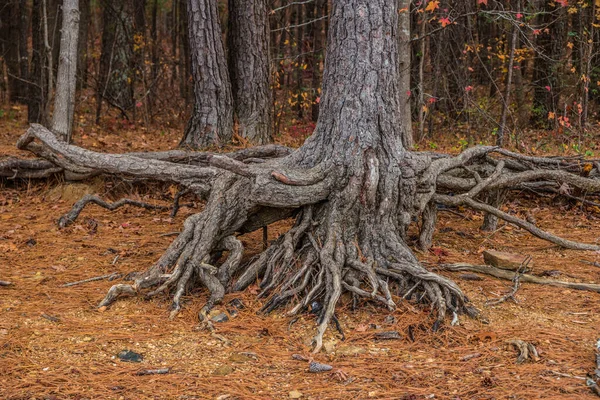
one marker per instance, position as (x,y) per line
(432,6)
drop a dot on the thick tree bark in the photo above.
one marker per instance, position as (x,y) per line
(211,122)
(249,69)
(66,81)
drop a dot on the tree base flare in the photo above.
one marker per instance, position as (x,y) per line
(352,206)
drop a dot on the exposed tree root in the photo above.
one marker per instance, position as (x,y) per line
(510,275)
(78,207)
(351,218)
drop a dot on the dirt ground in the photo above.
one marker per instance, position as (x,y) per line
(55,343)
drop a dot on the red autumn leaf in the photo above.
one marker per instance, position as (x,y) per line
(438,251)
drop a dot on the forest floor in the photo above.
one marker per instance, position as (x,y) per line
(55,343)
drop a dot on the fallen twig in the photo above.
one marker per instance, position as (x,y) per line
(516,283)
(510,275)
(160,371)
(561,374)
(96,278)
(595,264)
(470,356)
(50,318)
(169,234)
(527,351)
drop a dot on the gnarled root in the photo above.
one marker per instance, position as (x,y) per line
(78,207)
(331,249)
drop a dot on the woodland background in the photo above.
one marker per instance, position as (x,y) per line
(479,67)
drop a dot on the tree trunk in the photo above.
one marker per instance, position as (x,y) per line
(249,69)
(82,62)
(38,73)
(299,61)
(319,9)
(546,73)
(211,122)
(66,81)
(508,83)
(10,36)
(404,53)
(23,50)
(116,73)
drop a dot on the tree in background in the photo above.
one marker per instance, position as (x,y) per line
(250,69)
(211,122)
(116,74)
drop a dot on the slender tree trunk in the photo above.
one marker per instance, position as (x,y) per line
(404,53)
(116,74)
(66,82)
(508,83)
(211,122)
(10,35)
(49,57)
(185,58)
(155,60)
(319,9)
(23,50)
(551,43)
(421,102)
(249,68)
(38,73)
(140,46)
(84,29)
(587,50)
(299,61)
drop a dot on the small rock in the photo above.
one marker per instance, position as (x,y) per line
(237,303)
(329,346)
(223,397)
(89,339)
(130,356)
(390,319)
(31,242)
(221,317)
(299,357)
(294,394)
(223,370)
(389,335)
(315,308)
(350,350)
(504,260)
(240,358)
(470,277)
